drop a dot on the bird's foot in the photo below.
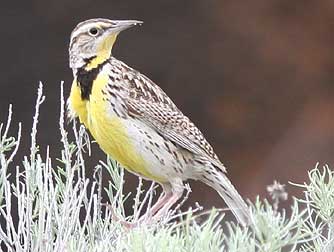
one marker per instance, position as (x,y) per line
(116,218)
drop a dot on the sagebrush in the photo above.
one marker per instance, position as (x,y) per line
(49,204)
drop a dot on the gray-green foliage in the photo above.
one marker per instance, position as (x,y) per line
(59,208)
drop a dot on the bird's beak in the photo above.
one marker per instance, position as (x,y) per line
(121,25)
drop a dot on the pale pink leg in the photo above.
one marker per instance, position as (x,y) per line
(176,195)
(167,194)
(147,217)
(171,194)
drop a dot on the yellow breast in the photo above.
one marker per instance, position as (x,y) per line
(108,129)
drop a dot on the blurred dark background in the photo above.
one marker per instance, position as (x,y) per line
(255,76)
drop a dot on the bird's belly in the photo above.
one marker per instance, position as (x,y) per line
(112,135)
(137,147)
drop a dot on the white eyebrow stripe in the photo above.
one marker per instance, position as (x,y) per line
(83,28)
(85,25)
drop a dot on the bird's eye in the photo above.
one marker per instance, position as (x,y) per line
(93,31)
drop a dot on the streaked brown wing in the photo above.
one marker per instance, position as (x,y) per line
(149,103)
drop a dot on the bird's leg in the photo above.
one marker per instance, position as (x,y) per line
(171,194)
(166,195)
(165,204)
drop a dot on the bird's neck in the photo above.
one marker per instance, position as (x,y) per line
(87,74)
(96,61)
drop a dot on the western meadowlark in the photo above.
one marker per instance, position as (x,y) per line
(137,124)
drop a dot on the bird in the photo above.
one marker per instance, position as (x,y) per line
(135,122)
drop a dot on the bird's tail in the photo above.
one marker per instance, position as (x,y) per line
(218,181)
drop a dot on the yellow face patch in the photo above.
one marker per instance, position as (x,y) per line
(103,51)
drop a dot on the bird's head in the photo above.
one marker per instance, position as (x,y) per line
(92,41)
